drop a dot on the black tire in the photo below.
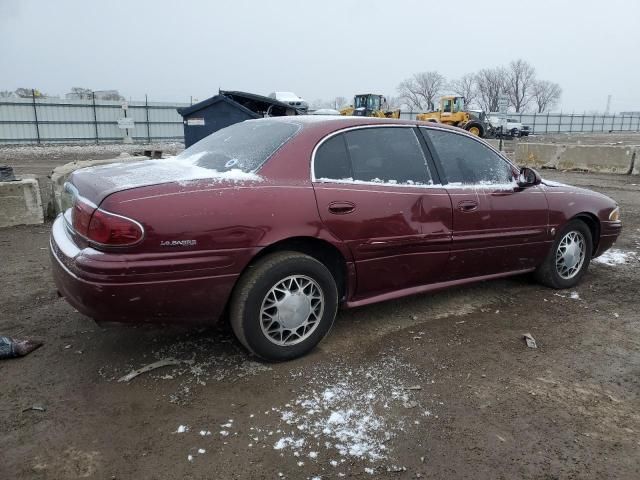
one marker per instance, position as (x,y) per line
(548,274)
(469,125)
(252,289)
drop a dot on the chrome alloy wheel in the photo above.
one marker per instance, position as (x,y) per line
(570,255)
(291,310)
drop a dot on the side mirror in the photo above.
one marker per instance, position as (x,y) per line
(528,177)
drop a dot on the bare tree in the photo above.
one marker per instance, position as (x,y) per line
(421,90)
(110,95)
(6,94)
(490,82)
(340,102)
(394,103)
(545,94)
(520,79)
(29,93)
(466,86)
(81,93)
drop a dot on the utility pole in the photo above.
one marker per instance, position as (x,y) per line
(606,112)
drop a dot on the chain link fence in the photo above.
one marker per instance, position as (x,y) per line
(53,120)
(548,123)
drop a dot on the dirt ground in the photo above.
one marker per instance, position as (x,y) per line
(40,160)
(437,386)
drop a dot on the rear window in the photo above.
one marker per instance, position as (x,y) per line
(243,146)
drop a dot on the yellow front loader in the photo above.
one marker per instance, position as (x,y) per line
(452,112)
(370,105)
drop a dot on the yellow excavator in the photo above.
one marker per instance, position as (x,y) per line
(452,112)
(370,105)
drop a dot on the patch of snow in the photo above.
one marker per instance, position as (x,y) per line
(224,433)
(190,458)
(345,411)
(369,470)
(574,296)
(288,442)
(551,183)
(377,182)
(201,451)
(182,429)
(615,257)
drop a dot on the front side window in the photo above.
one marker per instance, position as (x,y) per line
(468,162)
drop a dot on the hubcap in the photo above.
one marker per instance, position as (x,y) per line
(474,131)
(570,255)
(291,310)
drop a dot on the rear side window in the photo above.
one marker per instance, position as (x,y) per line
(243,146)
(467,161)
(331,160)
(388,155)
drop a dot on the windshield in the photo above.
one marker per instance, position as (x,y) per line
(244,146)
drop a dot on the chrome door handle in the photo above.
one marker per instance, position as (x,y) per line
(467,205)
(341,208)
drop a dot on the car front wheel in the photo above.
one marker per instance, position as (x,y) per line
(569,258)
(283,305)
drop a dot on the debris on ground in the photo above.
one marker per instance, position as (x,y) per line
(12,347)
(37,408)
(165,362)
(531,342)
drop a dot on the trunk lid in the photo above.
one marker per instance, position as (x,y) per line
(96,183)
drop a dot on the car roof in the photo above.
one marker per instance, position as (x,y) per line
(335,122)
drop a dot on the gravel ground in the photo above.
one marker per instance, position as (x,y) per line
(40,160)
(432,386)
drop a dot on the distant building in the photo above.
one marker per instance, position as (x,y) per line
(85,94)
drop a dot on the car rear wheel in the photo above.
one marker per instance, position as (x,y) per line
(568,258)
(283,306)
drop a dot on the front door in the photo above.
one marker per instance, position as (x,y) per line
(497,226)
(375,192)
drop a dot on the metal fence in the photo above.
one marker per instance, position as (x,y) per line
(54,120)
(548,123)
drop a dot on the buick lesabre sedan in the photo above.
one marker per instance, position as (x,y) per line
(275,223)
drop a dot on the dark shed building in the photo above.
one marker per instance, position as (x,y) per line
(227,108)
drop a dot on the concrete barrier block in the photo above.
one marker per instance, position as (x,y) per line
(593,158)
(20,203)
(60,199)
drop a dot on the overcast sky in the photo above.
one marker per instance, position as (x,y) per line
(316,48)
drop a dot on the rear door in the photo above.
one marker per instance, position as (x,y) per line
(497,226)
(375,192)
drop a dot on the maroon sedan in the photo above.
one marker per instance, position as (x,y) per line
(276,222)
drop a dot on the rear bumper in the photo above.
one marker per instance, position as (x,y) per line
(134,288)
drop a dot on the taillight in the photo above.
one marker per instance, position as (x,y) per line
(81,216)
(113,230)
(102,227)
